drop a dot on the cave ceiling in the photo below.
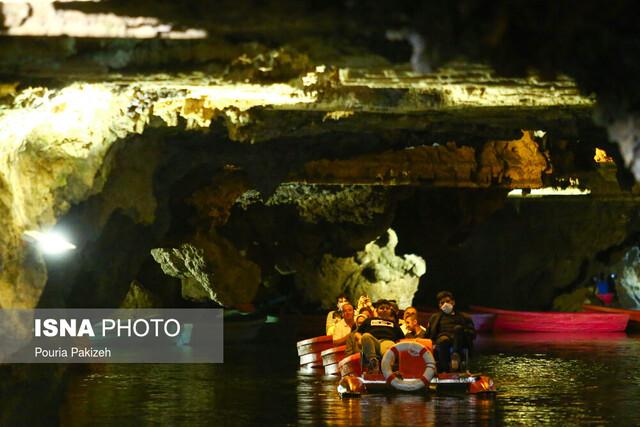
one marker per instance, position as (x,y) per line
(112,109)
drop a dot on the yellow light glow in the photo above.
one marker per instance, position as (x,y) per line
(71,115)
(548,191)
(42,18)
(602,157)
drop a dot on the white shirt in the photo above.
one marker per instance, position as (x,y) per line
(341,330)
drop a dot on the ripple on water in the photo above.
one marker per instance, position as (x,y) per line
(552,379)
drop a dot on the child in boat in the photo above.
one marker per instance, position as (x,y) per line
(414,330)
(409,311)
(335,316)
(450,331)
(378,334)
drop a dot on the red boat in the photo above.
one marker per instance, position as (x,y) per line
(548,321)
(634,315)
(310,351)
(416,371)
(330,359)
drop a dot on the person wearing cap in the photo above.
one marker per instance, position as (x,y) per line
(450,331)
(378,334)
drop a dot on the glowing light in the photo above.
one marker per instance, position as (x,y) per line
(602,157)
(51,242)
(42,18)
(548,191)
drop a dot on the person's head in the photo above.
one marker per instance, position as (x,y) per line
(446,302)
(411,321)
(409,311)
(347,311)
(361,318)
(342,298)
(385,310)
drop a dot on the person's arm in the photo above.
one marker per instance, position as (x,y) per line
(430,329)
(469,328)
(340,341)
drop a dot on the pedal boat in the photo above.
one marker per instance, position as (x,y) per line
(416,372)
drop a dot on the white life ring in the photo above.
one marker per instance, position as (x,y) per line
(408,384)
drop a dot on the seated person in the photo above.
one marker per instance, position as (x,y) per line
(378,334)
(344,326)
(450,331)
(353,340)
(409,311)
(334,316)
(414,330)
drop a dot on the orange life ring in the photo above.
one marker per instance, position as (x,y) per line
(412,349)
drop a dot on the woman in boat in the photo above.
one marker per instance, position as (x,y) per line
(450,331)
(335,316)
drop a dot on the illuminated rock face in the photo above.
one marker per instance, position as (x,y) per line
(628,283)
(376,271)
(339,146)
(211,270)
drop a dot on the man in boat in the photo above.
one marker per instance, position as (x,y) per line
(450,331)
(410,311)
(344,326)
(378,334)
(335,316)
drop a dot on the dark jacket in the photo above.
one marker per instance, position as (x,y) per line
(437,326)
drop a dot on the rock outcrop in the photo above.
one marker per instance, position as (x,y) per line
(211,269)
(375,271)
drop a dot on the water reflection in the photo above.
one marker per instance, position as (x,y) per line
(541,378)
(318,403)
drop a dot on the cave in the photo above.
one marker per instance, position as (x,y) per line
(269,156)
(277,159)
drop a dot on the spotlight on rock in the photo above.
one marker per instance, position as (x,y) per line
(50,242)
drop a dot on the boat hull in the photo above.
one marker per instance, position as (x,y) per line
(310,351)
(352,386)
(532,321)
(634,315)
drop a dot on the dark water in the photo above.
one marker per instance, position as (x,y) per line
(542,379)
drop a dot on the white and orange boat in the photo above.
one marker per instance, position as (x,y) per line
(408,366)
(310,351)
